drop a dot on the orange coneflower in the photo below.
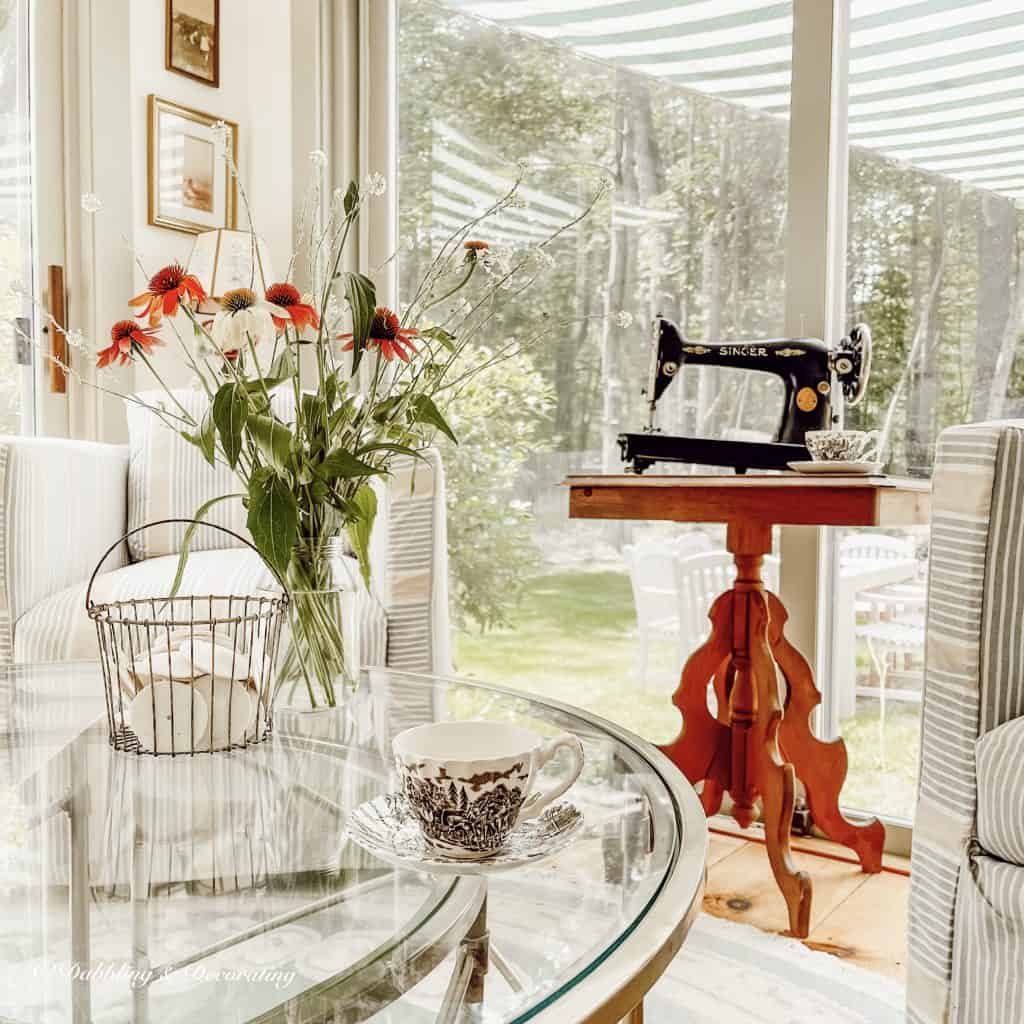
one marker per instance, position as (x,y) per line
(387,333)
(475,245)
(293,309)
(125,337)
(167,289)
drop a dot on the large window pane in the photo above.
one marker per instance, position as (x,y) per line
(683,106)
(16,312)
(934,265)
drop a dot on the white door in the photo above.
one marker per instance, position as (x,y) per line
(33,397)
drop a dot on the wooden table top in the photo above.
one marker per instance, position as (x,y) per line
(770,498)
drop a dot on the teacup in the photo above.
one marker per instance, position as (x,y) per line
(840,445)
(470,783)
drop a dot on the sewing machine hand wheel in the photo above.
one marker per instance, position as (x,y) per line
(851,363)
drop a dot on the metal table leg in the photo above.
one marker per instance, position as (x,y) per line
(77,808)
(471,962)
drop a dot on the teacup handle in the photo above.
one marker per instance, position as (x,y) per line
(536,802)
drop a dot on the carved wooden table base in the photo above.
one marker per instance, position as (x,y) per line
(758,744)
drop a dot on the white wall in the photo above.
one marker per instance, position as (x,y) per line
(255,92)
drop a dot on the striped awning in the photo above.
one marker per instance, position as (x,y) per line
(465,179)
(936,83)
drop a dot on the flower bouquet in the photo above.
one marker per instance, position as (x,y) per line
(313,395)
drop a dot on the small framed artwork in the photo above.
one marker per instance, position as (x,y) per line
(190,188)
(193,39)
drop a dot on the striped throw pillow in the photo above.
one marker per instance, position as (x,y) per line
(168,478)
(1000,757)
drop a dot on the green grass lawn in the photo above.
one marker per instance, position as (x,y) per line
(573,638)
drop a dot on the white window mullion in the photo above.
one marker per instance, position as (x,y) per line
(815,272)
(378,141)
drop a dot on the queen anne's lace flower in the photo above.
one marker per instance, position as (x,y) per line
(544,259)
(318,158)
(624,318)
(376,184)
(91,202)
(75,338)
(221,133)
(243,318)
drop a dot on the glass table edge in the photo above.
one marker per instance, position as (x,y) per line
(689,820)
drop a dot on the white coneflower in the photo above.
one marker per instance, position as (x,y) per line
(242,318)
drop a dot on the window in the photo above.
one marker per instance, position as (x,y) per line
(934,264)
(16,268)
(693,230)
(685,106)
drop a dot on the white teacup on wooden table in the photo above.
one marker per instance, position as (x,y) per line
(470,783)
(841,445)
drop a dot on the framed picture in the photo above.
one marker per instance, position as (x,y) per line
(190,188)
(193,39)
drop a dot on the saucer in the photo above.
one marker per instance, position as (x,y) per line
(387,828)
(837,468)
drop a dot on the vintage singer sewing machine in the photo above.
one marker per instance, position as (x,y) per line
(810,371)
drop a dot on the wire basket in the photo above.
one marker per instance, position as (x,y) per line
(188,675)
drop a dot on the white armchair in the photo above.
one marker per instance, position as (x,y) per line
(967,874)
(65,502)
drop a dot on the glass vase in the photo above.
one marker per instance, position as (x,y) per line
(319,660)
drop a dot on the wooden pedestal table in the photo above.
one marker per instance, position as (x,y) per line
(760,741)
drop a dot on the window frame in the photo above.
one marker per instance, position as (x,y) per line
(815,249)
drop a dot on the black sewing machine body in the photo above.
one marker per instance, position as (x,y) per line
(810,371)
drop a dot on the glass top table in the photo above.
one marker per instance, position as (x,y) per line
(223,887)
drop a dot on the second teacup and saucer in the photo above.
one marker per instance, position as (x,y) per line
(469,801)
(841,453)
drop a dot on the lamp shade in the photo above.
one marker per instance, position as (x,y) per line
(223,260)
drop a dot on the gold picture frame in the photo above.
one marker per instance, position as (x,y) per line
(190,187)
(192,40)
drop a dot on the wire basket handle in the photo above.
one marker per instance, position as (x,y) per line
(165,522)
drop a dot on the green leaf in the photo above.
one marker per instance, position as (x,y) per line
(361,526)
(313,409)
(361,296)
(186,539)
(255,386)
(387,446)
(230,411)
(283,366)
(206,439)
(384,410)
(351,197)
(272,438)
(273,518)
(331,390)
(423,410)
(342,463)
(439,334)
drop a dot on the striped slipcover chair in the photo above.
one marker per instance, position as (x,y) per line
(63,503)
(967,878)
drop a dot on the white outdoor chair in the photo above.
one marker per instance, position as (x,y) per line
(875,547)
(653,578)
(699,580)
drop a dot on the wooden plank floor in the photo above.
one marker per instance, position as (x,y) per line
(861,918)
